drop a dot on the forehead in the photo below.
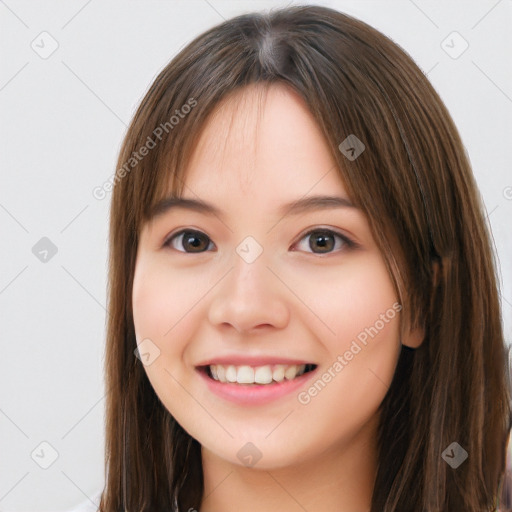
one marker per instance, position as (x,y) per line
(264,142)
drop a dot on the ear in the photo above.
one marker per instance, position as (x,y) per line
(414,338)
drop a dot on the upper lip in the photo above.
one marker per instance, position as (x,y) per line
(239,360)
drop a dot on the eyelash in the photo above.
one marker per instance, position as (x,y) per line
(348,242)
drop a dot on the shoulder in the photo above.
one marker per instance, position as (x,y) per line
(89,505)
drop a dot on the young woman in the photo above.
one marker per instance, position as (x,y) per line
(303,308)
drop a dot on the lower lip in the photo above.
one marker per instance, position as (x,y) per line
(255,394)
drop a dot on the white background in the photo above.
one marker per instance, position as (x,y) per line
(62,121)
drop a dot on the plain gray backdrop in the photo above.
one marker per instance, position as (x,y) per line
(72,74)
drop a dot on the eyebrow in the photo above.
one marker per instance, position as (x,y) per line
(296,207)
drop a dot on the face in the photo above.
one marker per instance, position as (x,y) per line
(254,286)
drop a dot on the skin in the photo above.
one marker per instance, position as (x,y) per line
(302,303)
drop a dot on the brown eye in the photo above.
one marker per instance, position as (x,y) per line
(323,241)
(189,241)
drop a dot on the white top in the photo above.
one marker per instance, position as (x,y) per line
(88,505)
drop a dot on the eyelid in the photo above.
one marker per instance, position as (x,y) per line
(349,242)
(181,231)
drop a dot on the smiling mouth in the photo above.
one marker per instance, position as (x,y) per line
(265,375)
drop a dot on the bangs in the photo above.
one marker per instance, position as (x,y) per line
(177,152)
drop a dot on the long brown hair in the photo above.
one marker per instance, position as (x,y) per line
(413,181)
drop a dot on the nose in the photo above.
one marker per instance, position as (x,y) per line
(249,298)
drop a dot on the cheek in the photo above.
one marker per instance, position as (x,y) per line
(167,309)
(159,315)
(370,304)
(150,304)
(346,299)
(153,297)
(362,310)
(162,299)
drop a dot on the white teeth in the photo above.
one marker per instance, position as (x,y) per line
(221,372)
(259,375)
(245,375)
(231,373)
(263,375)
(298,371)
(278,373)
(290,372)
